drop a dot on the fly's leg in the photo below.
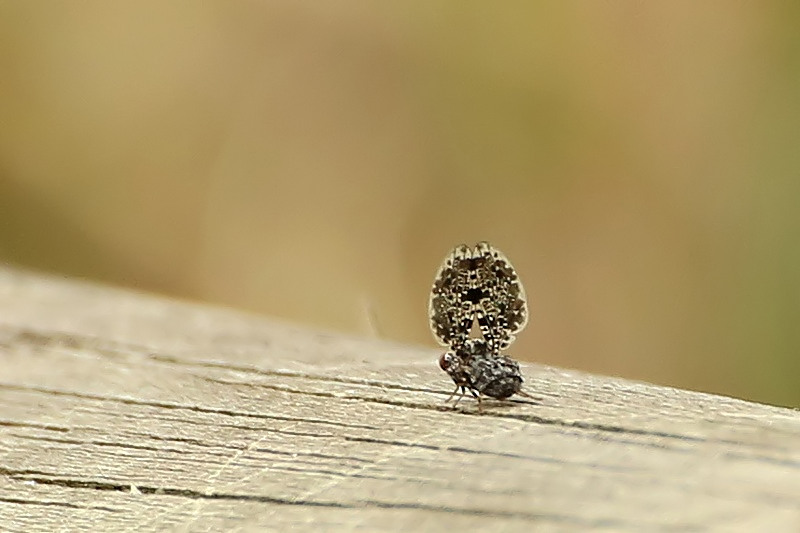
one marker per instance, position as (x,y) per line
(463,392)
(477,396)
(480,406)
(454,393)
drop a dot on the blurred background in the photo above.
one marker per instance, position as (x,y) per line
(638,162)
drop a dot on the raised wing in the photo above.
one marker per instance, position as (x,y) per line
(502,308)
(480,284)
(451,314)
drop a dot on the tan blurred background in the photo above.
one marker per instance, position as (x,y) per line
(315,161)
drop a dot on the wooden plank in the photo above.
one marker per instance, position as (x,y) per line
(122,411)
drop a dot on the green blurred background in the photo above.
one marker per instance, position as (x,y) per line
(315,161)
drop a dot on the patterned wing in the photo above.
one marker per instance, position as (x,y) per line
(501,305)
(450,310)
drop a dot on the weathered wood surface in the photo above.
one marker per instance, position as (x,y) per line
(121,411)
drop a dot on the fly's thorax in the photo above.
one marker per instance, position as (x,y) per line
(471,348)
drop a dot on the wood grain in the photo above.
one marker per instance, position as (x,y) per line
(123,411)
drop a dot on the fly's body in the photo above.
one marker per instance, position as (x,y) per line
(478,284)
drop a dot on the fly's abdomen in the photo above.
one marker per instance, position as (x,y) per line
(498,377)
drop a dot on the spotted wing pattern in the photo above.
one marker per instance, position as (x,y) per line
(477,283)
(451,313)
(502,308)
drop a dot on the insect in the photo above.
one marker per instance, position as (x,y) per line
(478,284)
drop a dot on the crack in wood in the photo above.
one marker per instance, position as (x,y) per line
(201,423)
(147,490)
(293,455)
(106,347)
(529,418)
(576,424)
(34,425)
(177,406)
(49,503)
(125,445)
(459,449)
